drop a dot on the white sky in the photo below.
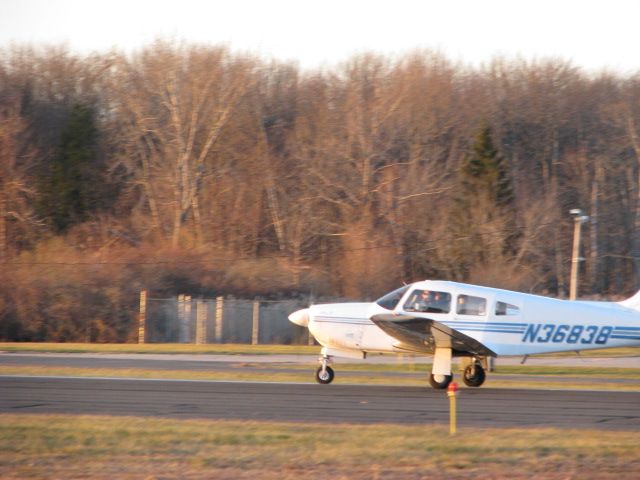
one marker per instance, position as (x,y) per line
(592,34)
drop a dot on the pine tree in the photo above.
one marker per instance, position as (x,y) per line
(485,173)
(69,189)
(482,217)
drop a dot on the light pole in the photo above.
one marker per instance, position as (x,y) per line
(578,219)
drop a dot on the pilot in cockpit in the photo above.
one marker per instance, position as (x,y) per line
(422,301)
(428,301)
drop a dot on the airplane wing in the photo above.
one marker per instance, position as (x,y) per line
(424,334)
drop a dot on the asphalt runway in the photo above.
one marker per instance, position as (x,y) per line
(325,404)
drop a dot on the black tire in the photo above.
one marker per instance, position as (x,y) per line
(326,377)
(473,375)
(440,385)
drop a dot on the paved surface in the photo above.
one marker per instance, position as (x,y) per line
(175,360)
(484,407)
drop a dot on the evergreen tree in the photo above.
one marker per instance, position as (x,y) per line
(484,173)
(482,218)
(71,182)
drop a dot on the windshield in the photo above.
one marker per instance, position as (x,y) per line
(390,300)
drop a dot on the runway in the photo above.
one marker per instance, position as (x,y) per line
(483,407)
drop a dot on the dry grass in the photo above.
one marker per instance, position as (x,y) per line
(60,446)
(303,374)
(212,374)
(404,372)
(233,349)
(159,348)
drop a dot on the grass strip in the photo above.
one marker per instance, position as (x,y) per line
(233,349)
(99,447)
(157,348)
(612,372)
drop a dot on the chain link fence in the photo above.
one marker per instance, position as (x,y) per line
(222,320)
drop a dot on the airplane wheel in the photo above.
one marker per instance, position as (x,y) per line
(325,377)
(440,385)
(473,376)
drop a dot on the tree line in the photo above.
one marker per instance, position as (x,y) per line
(195,169)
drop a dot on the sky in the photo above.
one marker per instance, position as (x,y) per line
(591,34)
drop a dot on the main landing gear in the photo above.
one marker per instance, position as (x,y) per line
(473,371)
(440,382)
(474,375)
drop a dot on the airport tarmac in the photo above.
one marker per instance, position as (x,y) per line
(308,402)
(326,404)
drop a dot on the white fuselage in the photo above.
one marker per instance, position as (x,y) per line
(510,323)
(347,326)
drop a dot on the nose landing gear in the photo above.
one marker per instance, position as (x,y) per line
(324,374)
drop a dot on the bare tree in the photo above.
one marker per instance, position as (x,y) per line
(17,216)
(177,102)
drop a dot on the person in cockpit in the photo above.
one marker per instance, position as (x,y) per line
(439,303)
(422,301)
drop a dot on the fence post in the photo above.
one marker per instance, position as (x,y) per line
(142,316)
(255,333)
(219,318)
(201,318)
(187,319)
(180,338)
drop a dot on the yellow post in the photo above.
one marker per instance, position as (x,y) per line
(452,391)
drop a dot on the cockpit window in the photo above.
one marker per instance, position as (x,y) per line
(428,301)
(390,300)
(470,305)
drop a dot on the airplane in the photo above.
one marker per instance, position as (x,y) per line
(449,319)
